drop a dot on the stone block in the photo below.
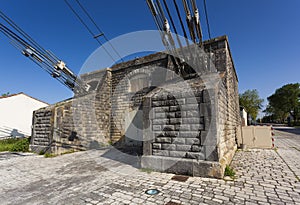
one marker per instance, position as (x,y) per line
(156,146)
(180,101)
(180,114)
(182,127)
(168,146)
(168,127)
(174,121)
(170,133)
(190,107)
(178,166)
(191,120)
(193,114)
(156,128)
(186,148)
(177,154)
(160,152)
(192,141)
(152,162)
(207,169)
(161,109)
(160,115)
(196,148)
(190,134)
(170,115)
(160,121)
(177,140)
(174,108)
(195,155)
(198,127)
(164,139)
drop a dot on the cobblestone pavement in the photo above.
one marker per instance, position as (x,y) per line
(100,177)
(288,144)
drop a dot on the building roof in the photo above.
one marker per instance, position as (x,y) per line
(21,93)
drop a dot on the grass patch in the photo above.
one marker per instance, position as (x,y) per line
(229,171)
(49,155)
(68,152)
(147,170)
(15,145)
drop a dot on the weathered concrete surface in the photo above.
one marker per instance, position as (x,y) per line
(256,136)
(100,177)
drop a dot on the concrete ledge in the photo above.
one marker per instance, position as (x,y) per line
(192,167)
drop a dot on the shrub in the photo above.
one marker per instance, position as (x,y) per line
(7,144)
(22,145)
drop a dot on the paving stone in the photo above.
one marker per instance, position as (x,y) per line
(88,178)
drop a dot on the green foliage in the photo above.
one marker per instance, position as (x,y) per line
(49,155)
(7,144)
(285,101)
(147,170)
(229,171)
(251,101)
(42,152)
(15,145)
(5,94)
(21,145)
(68,152)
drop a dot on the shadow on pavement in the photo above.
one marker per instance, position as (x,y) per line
(288,130)
(124,156)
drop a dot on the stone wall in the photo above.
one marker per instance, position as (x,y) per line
(78,123)
(177,122)
(228,106)
(214,131)
(126,103)
(42,129)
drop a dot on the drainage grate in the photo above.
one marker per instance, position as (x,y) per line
(172,203)
(180,178)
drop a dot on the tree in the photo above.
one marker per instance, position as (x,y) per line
(275,114)
(251,101)
(5,94)
(285,101)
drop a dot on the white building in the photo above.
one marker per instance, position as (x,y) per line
(16,114)
(244,116)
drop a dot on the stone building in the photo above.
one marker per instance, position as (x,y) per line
(184,124)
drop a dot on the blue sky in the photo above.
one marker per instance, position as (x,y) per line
(264,38)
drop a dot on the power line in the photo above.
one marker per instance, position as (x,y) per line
(207,21)
(180,19)
(100,31)
(89,30)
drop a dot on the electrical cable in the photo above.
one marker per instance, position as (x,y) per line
(89,30)
(207,21)
(17,28)
(180,19)
(100,31)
